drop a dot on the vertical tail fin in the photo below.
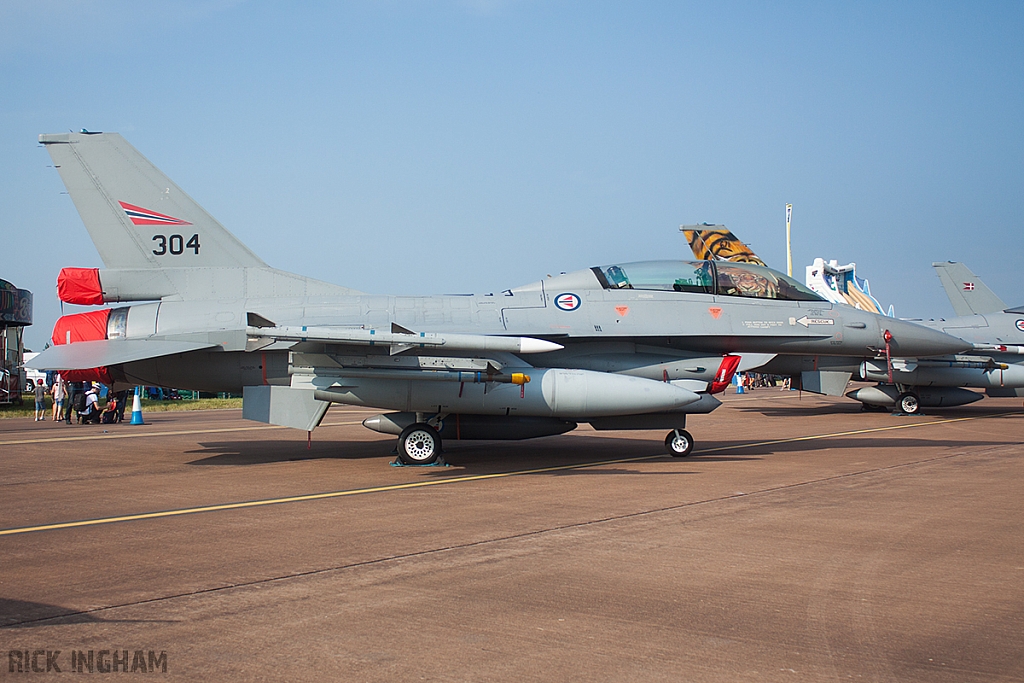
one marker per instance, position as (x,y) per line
(137,217)
(966,291)
(717,243)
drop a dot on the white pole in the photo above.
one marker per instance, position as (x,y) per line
(789,244)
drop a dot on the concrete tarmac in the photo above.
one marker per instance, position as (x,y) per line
(803,540)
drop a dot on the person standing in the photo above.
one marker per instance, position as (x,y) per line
(74,389)
(40,392)
(122,403)
(59,390)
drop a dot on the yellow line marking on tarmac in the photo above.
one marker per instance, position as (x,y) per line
(94,437)
(451,480)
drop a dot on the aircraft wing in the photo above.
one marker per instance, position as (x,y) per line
(966,291)
(107,352)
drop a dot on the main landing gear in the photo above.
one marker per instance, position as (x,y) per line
(908,403)
(419,444)
(679,443)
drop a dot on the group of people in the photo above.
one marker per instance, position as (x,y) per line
(752,380)
(79,400)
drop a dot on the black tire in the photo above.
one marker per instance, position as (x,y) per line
(419,444)
(679,443)
(908,403)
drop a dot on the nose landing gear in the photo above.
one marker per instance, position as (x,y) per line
(679,443)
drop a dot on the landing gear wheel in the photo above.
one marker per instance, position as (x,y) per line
(908,403)
(419,444)
(679,443)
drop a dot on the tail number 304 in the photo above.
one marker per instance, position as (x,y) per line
(175,244)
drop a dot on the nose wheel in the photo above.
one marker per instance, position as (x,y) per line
(679,443)
(419,444)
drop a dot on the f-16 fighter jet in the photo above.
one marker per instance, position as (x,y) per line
(996,364)
(619,346)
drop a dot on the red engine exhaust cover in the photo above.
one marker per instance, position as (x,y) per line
(91,326)
(80,286)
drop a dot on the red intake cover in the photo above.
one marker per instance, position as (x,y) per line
(725,372)
(80,286)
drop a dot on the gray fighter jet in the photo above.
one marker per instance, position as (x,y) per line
(619,346)
(996,364)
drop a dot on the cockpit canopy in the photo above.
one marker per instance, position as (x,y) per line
(724,278)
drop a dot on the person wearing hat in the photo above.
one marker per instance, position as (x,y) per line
(91,412)
(40,392)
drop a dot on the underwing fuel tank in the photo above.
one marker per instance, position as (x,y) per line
(550,392)
(929,397)
(981,373)
(470,427)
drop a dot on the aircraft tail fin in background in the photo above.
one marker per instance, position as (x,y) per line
(966,291)
(137,217)
(717,243)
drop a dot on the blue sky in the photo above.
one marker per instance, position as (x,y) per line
(442,147)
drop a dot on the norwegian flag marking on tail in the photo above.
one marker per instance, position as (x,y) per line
(140,216)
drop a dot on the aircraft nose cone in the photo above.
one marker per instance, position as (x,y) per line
(911,340)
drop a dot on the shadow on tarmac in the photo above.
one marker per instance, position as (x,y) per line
(555,451)
(26,614)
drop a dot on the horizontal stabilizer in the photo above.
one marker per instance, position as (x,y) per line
(107,352)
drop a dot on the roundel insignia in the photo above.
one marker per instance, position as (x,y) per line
(1020,325)
(568,302)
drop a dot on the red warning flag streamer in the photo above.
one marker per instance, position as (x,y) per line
(725,372)
(888,353)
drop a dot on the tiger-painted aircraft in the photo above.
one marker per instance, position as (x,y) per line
(618,346)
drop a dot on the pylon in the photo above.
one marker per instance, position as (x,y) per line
(137,408)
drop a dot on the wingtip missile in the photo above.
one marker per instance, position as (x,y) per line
(402,341)
(533,345)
